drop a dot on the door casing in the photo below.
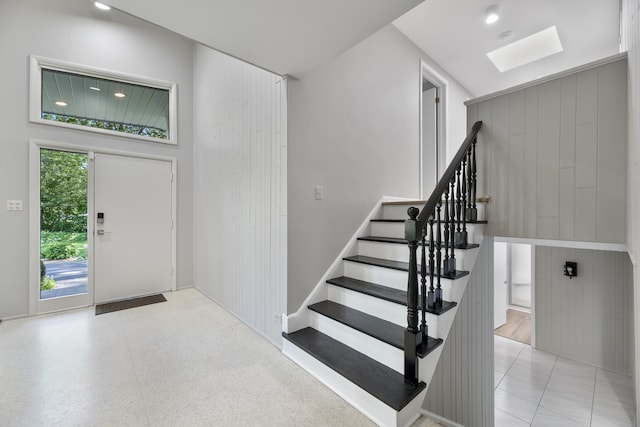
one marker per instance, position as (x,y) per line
(429,73)
(57,304)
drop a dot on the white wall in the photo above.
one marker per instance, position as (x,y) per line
(553,157)
(631,43)
(75,31)
(461,389)
(354,129)
(588,317)
(240,193)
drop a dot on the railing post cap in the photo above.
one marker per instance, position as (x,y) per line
(413,212)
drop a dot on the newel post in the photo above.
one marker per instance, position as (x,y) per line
(412,232)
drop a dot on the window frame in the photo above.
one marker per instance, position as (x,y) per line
(37,64)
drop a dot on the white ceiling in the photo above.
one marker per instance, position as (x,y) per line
(283,36)
(453,33)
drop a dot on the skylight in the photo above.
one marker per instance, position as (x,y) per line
(536,46)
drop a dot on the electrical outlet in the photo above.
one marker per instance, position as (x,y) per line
(14,205)
(278,319)
(319,192)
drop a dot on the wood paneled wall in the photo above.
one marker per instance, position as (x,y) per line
(588,317)
(461,389)
(553,157)
(240,189)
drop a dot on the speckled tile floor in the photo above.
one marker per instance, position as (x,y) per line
(185,362)
(534,388)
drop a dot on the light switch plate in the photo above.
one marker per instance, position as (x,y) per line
(14,205)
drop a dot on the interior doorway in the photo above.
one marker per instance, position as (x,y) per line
(102,224)
(433,90)
(513,290)
(430,101)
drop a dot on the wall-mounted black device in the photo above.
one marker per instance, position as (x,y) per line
(570,269)
(100,217)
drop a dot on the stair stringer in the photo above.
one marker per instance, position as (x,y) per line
(300,319)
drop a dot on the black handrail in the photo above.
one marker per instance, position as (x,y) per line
(436,196)
(459,182)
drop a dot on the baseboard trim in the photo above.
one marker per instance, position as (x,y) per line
(277,345)
(442,420)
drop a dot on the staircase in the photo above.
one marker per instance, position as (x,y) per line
(358,332)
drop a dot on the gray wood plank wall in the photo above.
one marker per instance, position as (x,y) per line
(553,157)
(588,317)
(461,389)
(240,189)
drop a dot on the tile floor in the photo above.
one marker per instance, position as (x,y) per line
(534,388)
(185,362)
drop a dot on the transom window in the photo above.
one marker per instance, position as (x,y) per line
(66,95)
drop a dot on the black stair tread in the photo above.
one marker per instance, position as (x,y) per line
(397,265)
(380,381)
(424,202)
(384,292)
(403,220)
(398,240)
(375,327)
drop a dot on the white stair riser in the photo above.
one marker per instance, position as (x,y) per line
(389,311)
(395,279)
(400,211)
(396,252)
(383,309)
(370,273)
(382,352)
(370,406)
(389,229)
(397,211)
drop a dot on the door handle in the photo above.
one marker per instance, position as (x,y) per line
(100,232)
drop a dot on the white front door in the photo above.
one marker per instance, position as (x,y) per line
(133,227)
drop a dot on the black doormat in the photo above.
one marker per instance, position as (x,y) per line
(108,307)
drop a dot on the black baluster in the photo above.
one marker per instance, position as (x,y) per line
(412,334)
(462,238)
(452,258)
(458,208)
(445,266)
(438,256)
(469,186)
(431,295)
(423,291)
(474,179)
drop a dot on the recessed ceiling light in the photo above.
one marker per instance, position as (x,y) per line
(119,94)
(526,50)
(491,14)
(61,103)
(97,89)
(102,6)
